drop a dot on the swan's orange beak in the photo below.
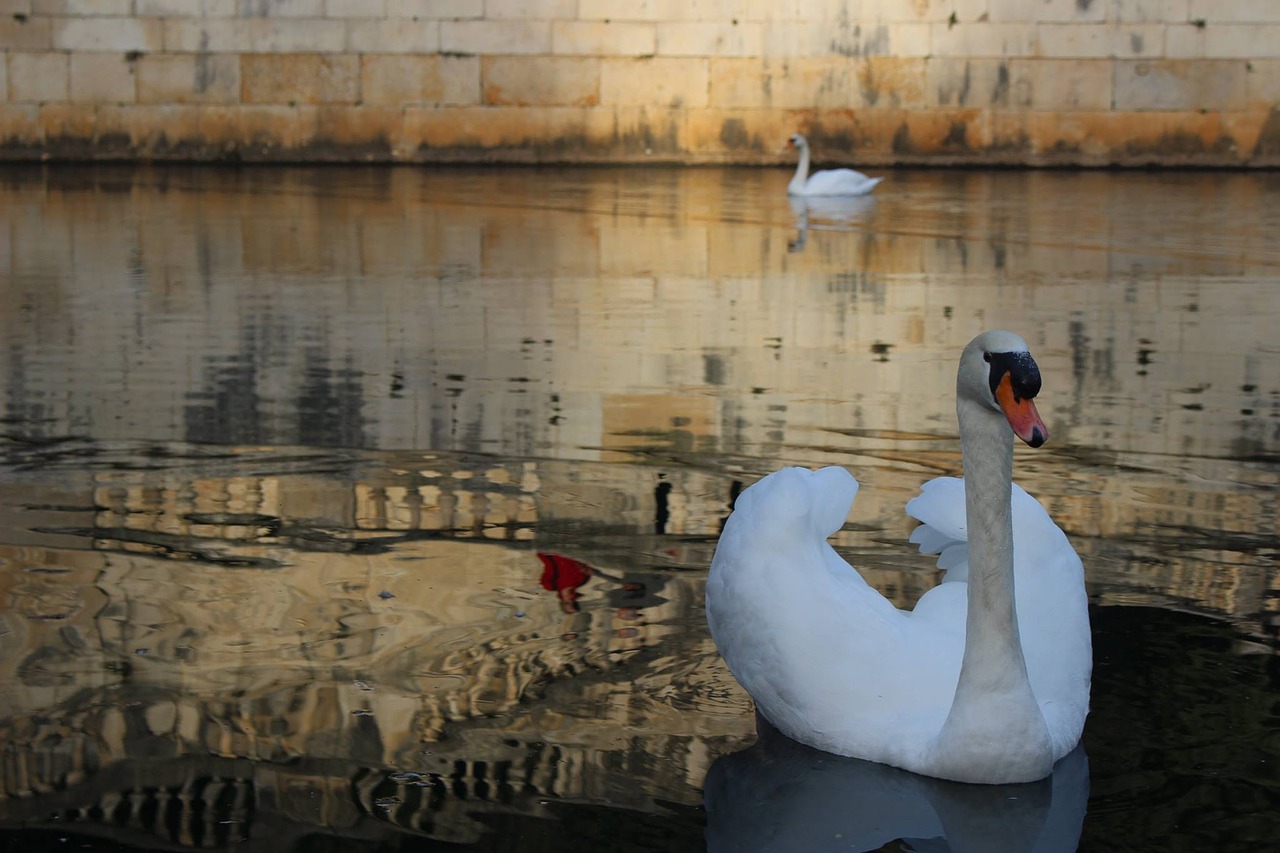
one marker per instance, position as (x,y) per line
(1021,414)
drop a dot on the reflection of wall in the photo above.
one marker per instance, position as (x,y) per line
(273,617)
(394,310)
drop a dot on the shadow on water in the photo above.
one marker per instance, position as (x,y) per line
(820,802)
(369,509)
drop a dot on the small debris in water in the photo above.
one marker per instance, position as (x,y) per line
(384,595)
(363,685)
(407,776)
(387,802)
(519,614)
(362,712)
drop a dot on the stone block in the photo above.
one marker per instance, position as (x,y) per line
(281,8)
(1243,41)
(892,81)
(102,78)
(66,123)
(792,84)
(600,38)
(1151,11)
(1184,41)
(471,127)
(1064,11)
(1010,142)
(742,135)
(1235,12)
(439,9)
(1125,41)
(358,133)
(621,10)
(107,34)
(39,77)
(25,34)
(404,80)
(258,131)
(1061,84)
(978,82)
(1249,131)
(20,127)
(490,37)
(145,129)
(391,35)
(656,81)
(300,78)
(576,134)
(986,40)
(709,39)
(540,81)
(1262,83)
(186,8)
(189,78)
(537,10)
(355,8)
(657,10)
(254,35)
(81,7)
(826,38)
(1211,84)
(942,135)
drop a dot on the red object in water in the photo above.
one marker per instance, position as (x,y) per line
(563,575)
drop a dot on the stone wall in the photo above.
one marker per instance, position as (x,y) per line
(691,81)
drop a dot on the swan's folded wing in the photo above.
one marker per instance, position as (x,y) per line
(942,531)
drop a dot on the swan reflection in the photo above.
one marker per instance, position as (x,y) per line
(779,795)
(834,213)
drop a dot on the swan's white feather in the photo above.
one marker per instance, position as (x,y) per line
(843,182)
(834,664)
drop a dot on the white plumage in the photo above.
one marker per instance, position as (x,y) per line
(828,182)
(833,664)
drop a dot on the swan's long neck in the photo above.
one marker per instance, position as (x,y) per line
(994,721)
(796,187)
(993,650)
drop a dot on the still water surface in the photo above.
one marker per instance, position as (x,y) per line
(354,509)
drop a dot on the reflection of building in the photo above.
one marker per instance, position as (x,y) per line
(578,380)
(287,649)
(654,311)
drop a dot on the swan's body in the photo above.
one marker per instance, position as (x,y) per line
(964,686)
(825,183)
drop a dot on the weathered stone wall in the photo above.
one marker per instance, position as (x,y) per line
(692,81)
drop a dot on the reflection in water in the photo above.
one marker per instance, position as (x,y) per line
(819,802)
(827,212)
(280,450)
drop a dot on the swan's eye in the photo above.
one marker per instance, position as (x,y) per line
(986,356)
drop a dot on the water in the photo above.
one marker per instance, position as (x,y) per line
(369,509)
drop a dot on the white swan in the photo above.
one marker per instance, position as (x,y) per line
(831,182)
(966,686)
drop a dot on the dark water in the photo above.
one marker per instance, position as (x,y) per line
(370,509)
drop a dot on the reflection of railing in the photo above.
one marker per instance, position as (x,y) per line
(493,502)
(172,791)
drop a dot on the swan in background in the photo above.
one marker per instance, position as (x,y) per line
(986,680)
(781,796)
(829,182)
